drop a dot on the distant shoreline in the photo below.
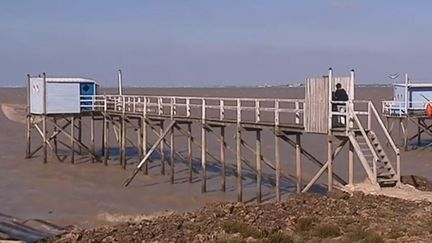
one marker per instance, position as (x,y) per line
(207,87)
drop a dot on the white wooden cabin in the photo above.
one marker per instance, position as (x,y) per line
(60,95)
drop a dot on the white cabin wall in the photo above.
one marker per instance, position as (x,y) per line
(63,98)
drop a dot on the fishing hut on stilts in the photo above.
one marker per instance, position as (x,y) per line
(169,118)
(410,112)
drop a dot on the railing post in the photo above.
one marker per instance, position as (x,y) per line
(145,107)
(123,103)
(238,111)
(105,103)
(369,122)
(257,111)
(171,107)
(203,110)
(297,113)
(160,106)
(221,110)
(133,104)
(276,112)
(188,108)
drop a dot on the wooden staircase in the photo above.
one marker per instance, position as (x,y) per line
(374,159)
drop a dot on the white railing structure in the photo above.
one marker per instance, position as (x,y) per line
(240,110)
(352,114)
(401,108)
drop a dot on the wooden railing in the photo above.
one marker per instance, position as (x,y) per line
(253,110)
(364,108)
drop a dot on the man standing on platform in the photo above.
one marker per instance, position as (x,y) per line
(339,95)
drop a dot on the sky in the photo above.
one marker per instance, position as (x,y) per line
(212,43)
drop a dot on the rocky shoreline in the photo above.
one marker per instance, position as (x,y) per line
(306,217)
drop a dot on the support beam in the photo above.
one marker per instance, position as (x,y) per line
(149,153)
(144,142)
(75,141)
(312,159)
(28,135)
(189,151)
(80,132)
(324,167)
(72,137)
(203,159)
(239,165)
(123,160)
(351,164)
(55,137)
(258,165)
(278,167)
(298,163)
(222,157)
(162,148)
(330,163)
(92,136)
(172,152)
(106,140)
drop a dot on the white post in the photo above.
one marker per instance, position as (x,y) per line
(352,77)
(330,78)
(221,110)
(238,111)
(188,108)
(276,120)
(120,82)
(406,92)
(257,111)
(297,114)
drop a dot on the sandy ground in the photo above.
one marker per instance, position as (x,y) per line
(87,194)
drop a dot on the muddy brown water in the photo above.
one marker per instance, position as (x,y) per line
(87,194)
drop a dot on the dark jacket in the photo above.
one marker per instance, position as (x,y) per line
(340,95)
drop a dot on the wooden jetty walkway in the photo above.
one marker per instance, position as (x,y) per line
(345,123)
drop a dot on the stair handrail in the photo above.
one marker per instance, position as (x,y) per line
(389,139)
(369,144)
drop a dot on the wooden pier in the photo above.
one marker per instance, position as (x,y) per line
(170,118)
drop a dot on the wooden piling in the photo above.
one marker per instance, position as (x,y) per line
(162,148)
(55,137)
(351,164)
(79,133)
(140,139)
(44,140)
(222,157)
(239,165)
(28,120)
(106,140)
(28,135)
(258,164)
(92,137)
(203,158)
(278,167)
(144,142)
(172,153)
(72,142)
(123,142)
(189,151)
(330,165)
(298,163)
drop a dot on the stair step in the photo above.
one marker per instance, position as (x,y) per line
(380,180)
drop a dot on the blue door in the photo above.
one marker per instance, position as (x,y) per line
(87,90)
